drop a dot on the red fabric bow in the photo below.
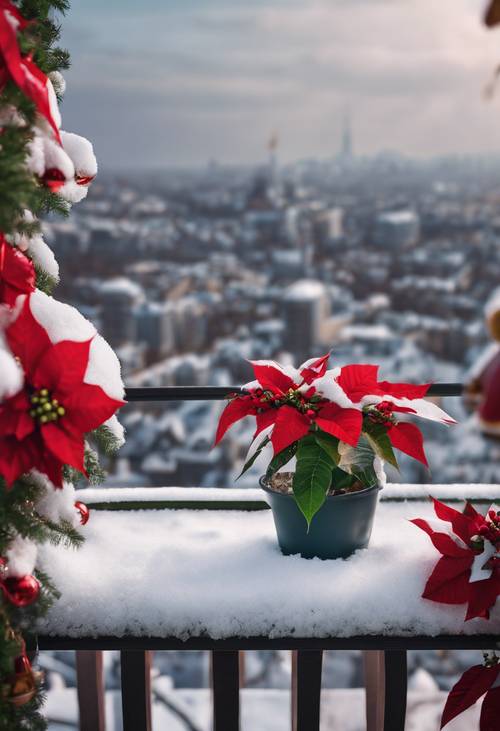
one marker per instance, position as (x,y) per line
(22,70)
(17,274)
(462,548)
(43,426)
(473,684)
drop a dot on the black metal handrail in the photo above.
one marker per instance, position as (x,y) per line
(219,393)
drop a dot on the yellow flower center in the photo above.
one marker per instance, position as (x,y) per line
(44,408)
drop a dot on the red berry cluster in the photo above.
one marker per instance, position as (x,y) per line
(382,413)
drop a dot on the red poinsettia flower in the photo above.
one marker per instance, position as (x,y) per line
(467,573)
(475,683)
(281,399)
(17,274)
(361,385)
(43,425)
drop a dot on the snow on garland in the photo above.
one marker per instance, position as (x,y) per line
(60,381)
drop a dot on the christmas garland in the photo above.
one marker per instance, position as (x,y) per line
(60,381)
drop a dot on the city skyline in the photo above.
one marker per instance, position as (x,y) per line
(173,83)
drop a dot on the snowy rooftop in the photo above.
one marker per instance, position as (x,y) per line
(183,573)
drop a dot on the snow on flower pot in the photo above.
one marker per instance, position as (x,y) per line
(339,426)
(341,526)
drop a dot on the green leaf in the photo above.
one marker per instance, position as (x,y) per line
(312,478)
(358,461)
(329,444)
(378,439)
(254,456)
(341,480)
(281,459)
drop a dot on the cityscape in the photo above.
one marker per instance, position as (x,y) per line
(191,273)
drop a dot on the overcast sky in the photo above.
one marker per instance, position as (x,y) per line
(168,82)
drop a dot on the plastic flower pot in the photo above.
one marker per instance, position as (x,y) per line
(341,526)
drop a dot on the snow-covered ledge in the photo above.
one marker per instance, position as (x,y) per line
(396,491)
(185,573)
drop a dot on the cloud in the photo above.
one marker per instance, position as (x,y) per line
(219,74)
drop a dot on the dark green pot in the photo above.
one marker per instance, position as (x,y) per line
(341,526)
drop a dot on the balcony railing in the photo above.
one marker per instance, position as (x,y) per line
(384,656)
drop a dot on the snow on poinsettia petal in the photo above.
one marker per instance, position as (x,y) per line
(408,438)
(235,410)
(449,581)
(442,541)
(264,420)
(27,338)
(468,690)
(87,407)
(62,366)
(290,426)
(67,447)
(404,390)
(345,424)
(424,409)
(459,522)
(328,387)
(490,711)
(314,368)
(482,596)
(271,377)
(358,380)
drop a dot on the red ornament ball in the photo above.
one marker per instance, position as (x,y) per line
(84,512)
(21,590)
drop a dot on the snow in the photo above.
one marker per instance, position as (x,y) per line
(152,494)
(21,556)
(43,256)
(116,429)
(188,573)
(57,504)
(305,289)
(81,152)
(12,375)
(58,82)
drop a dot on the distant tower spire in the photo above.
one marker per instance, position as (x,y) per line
(272,146)
(346,141)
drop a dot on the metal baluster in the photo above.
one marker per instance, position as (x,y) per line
(226,690)
(306,689)
(136,690)
(396,682)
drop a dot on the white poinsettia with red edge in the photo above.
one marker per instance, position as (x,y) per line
(313,413)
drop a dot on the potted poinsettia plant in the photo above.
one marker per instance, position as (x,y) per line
(339,426)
